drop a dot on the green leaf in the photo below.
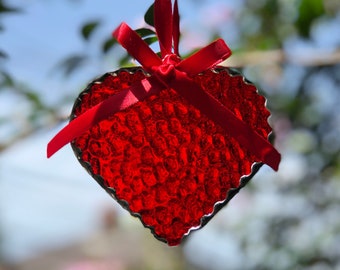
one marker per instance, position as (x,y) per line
(88,29)
(3,55)
(125,61)
(309,11)
(71,64)
(6,9)
(151,40)
(149,16)
(145,32)
(6,80)
(108,44)
(34,98)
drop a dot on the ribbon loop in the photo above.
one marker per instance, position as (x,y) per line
(136,46)
(175,28)
(164,25)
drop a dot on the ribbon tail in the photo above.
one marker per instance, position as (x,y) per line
(211,107)
(102,111)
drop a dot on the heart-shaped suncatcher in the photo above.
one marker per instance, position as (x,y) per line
(174,140)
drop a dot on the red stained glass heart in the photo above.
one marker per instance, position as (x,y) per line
(162,159)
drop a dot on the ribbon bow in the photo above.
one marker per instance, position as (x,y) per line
(167,72)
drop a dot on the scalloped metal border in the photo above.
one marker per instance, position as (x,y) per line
(218,205)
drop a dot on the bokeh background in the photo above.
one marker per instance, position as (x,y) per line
(54,216)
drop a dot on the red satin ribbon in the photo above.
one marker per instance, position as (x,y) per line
(170,72)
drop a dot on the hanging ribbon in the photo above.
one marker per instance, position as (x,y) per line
(167,72)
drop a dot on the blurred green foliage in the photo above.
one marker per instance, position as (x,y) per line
(309,11)
(5,9)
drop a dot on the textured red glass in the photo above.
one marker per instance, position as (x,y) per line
(162,159)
